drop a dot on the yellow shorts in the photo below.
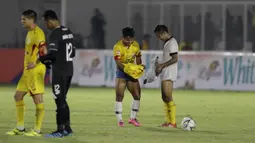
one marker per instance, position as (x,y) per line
(32,81)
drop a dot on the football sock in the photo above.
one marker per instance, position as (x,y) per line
(20,111)
(61,113)
(135,108)
(118,111)
(166,110)
(39,116)
(172,112)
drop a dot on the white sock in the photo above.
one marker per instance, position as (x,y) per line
(20,128)
(38,131)
(118,111)
(134,108)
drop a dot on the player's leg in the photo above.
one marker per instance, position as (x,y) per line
(36,88)
(120,86)
(67,118)
(38,101)
(20,111)
(59,92)
(58,88)
(170,107)
(21,91)
(20,108)
(135,90)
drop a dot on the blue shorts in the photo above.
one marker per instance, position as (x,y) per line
(120,74)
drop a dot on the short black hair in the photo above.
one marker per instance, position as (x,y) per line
(160,28)
(128,31)
(30,14)
(50,15)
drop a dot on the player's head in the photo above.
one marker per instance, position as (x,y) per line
(161,32)
(28,18)
(50,19)
(128,35)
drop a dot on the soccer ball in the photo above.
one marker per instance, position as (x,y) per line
(188,124)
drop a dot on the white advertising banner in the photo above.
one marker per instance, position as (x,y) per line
(110,69)
(227,73)
(91,68)
(196,70)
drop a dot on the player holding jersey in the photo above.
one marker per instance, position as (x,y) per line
(127,52)
(32,80)
(167,70)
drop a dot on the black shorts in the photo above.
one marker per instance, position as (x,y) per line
(60,86)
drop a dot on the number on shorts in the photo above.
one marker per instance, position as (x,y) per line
(56,89)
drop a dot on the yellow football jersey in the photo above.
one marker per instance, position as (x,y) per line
(133,70)
(34,40)
(126,54)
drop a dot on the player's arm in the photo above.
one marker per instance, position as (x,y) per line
(42,52)
(117,57)
(51,55)
(172,61)
(138,57)
(53,49)
(41,44)
(174,54)
(120,66)
(42,48)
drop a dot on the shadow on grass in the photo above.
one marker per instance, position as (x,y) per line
(179,130)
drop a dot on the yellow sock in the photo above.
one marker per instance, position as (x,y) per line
(172,112)
(20,111)
(167,116)
(39,116)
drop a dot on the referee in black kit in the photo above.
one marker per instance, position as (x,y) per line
(60,56)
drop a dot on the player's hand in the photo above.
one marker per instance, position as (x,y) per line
(159,68)
(30,66)
(47,63)
(48,66)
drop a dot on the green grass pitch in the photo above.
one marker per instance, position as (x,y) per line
(221,117)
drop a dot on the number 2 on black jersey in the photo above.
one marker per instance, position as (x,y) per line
(69,50)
